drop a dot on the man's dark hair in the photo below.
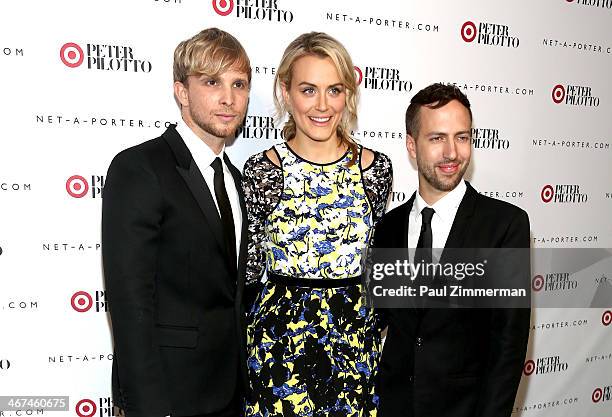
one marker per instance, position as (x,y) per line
(433,96)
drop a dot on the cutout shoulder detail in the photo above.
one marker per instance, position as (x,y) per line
(367,158)
(272,156)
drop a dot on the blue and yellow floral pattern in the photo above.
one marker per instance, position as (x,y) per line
(311,351)
(322,222)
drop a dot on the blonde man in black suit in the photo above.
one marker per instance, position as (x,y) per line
(173,246)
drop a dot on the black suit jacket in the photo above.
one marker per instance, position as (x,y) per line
(455,362)
(174,296)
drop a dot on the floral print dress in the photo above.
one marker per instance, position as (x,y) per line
(313,346)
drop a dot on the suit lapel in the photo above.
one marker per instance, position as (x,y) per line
(406,220)
(192,176)
(243,233)
(456,236)
(403,240)
(198,187)
(238,182)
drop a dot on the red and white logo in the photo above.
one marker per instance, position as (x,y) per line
(558,93)
(71,55)
(81,302)
(606,318)
(358,75)
(86,408)
(529,367)
(597,394)
(468,31)
(223,7)
(547,193)
(77,186)
(537,283)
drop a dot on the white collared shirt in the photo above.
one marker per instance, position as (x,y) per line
(442,220)
(203,157)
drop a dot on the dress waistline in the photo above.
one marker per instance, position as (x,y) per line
(289,281)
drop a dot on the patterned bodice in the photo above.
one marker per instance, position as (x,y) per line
(311,220)
(323,219)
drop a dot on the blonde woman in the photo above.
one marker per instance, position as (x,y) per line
(312,201)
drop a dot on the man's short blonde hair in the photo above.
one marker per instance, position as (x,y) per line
(210,52)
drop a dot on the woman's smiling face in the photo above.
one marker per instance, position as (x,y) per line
(316,98)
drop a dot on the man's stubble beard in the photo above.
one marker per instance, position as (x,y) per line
(429,173)
(228,131)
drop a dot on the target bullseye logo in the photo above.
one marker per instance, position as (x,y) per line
(468,31)
(71,55)
(358,75)
(86,408)
(597,394)
(537,283)
(606,318)
(547,193)
(81,301)
(77,186)
(558,93)
(529,367)
(223,7)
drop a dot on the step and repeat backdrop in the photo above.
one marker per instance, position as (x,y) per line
(81,81)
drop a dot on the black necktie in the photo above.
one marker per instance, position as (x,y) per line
(227,219)
(422,254)
(423,251)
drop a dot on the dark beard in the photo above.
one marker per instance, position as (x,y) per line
(429,173)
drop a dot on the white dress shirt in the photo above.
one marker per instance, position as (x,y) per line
(442,220)
(203,157)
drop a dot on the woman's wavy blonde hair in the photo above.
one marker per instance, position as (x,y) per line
(321,45)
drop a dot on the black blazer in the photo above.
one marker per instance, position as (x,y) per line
(455,362)
(174,296)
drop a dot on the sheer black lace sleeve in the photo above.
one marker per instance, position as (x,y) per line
(377,179)
(262,182)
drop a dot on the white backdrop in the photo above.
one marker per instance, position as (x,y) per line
(537,74)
